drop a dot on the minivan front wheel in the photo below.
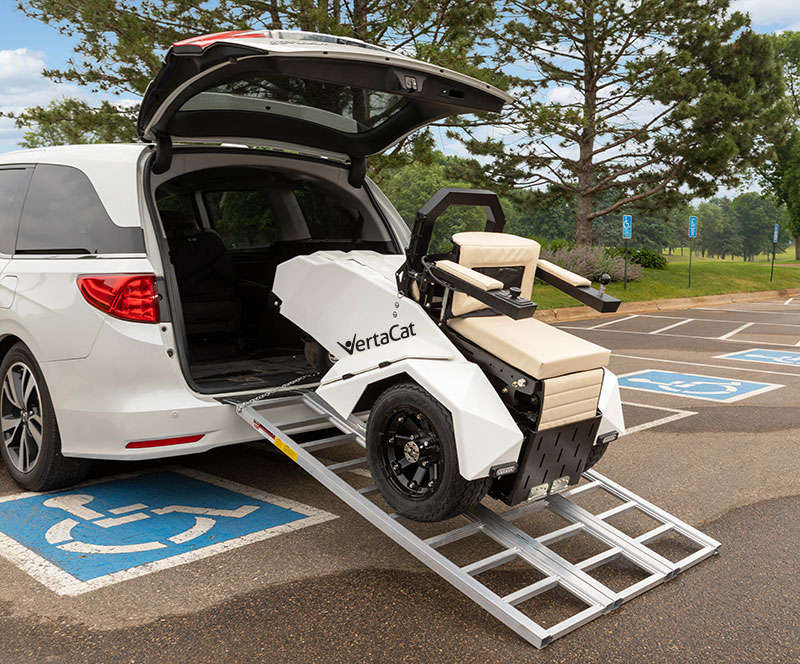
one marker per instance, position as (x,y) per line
(31,445)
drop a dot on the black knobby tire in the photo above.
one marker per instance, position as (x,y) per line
(31,450)
(595,455)
(444,492)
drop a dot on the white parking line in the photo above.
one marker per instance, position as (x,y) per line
(708,366)
(736,331)
(717,320)
(681,336)
(789,301)
(677,414)
(669,327)
(749,311)
(611,322)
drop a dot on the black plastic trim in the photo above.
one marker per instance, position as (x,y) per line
(591,296)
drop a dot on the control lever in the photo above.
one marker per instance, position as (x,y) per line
(516,292)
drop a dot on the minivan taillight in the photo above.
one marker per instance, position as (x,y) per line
(127,296)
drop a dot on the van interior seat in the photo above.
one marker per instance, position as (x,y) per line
(206,275)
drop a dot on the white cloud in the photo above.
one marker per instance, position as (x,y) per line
(770,13)
(22,85)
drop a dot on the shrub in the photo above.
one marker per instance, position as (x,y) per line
(644,257)
(592,262)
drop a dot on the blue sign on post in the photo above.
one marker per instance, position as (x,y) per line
(627,226)
(708,388)
(92,536)
(693,227)
(775,234)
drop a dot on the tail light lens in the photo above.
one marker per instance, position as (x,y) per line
(127,296)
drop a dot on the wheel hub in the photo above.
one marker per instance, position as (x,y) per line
(411,454)
(411,451)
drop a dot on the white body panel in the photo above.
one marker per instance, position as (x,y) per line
(351,298)
(610,405)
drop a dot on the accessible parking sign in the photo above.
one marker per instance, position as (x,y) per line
(95,535)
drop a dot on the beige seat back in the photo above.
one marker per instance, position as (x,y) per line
(494,250)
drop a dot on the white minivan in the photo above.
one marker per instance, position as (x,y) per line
(135,279)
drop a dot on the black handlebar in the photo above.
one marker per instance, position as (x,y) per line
(426,217)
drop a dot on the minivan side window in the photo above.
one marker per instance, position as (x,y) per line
(12,191)
(64,215)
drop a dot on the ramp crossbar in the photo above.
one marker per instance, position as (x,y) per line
(343,478)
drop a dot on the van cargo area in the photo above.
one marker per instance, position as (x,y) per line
(226,228)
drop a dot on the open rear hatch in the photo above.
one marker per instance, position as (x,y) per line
(340,97)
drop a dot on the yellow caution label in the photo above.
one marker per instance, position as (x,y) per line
(283,447)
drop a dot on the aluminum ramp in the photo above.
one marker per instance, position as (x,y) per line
(303,415)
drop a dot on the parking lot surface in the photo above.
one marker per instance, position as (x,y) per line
(710,398)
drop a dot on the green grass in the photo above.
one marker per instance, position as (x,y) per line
(783,257)
(709,277)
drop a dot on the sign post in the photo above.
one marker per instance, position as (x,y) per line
(627,229)
(692,236)
(774,246)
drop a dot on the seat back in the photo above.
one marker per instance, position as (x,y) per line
(508,258)
(206,274)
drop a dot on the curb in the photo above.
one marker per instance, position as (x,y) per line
(579,313)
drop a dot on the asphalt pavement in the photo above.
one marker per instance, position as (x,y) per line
(710,396)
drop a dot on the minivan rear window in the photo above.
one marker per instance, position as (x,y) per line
(64,215)
(346,108)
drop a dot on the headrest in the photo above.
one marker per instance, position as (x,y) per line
(480,249)
(176,223)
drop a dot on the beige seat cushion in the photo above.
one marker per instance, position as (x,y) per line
(534,347)
(478,249)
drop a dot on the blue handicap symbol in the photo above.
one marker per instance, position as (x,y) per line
(693,386)
(785,358)
(97,530)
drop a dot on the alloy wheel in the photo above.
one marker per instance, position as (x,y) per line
(21,417)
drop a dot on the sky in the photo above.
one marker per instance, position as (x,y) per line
(27,46)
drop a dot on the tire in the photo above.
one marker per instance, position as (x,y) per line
(420,480)
(319,358)
(595,455)
(31,445)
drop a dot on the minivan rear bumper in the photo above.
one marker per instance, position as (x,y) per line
(129,388)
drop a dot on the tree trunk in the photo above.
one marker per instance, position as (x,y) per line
(584,233)
(797,248)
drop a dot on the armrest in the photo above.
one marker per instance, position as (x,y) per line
(576,286)
(472,277)
(498,300)
(565,275)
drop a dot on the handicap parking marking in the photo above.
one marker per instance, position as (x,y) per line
(693,386)
(102,533)
(785,358)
